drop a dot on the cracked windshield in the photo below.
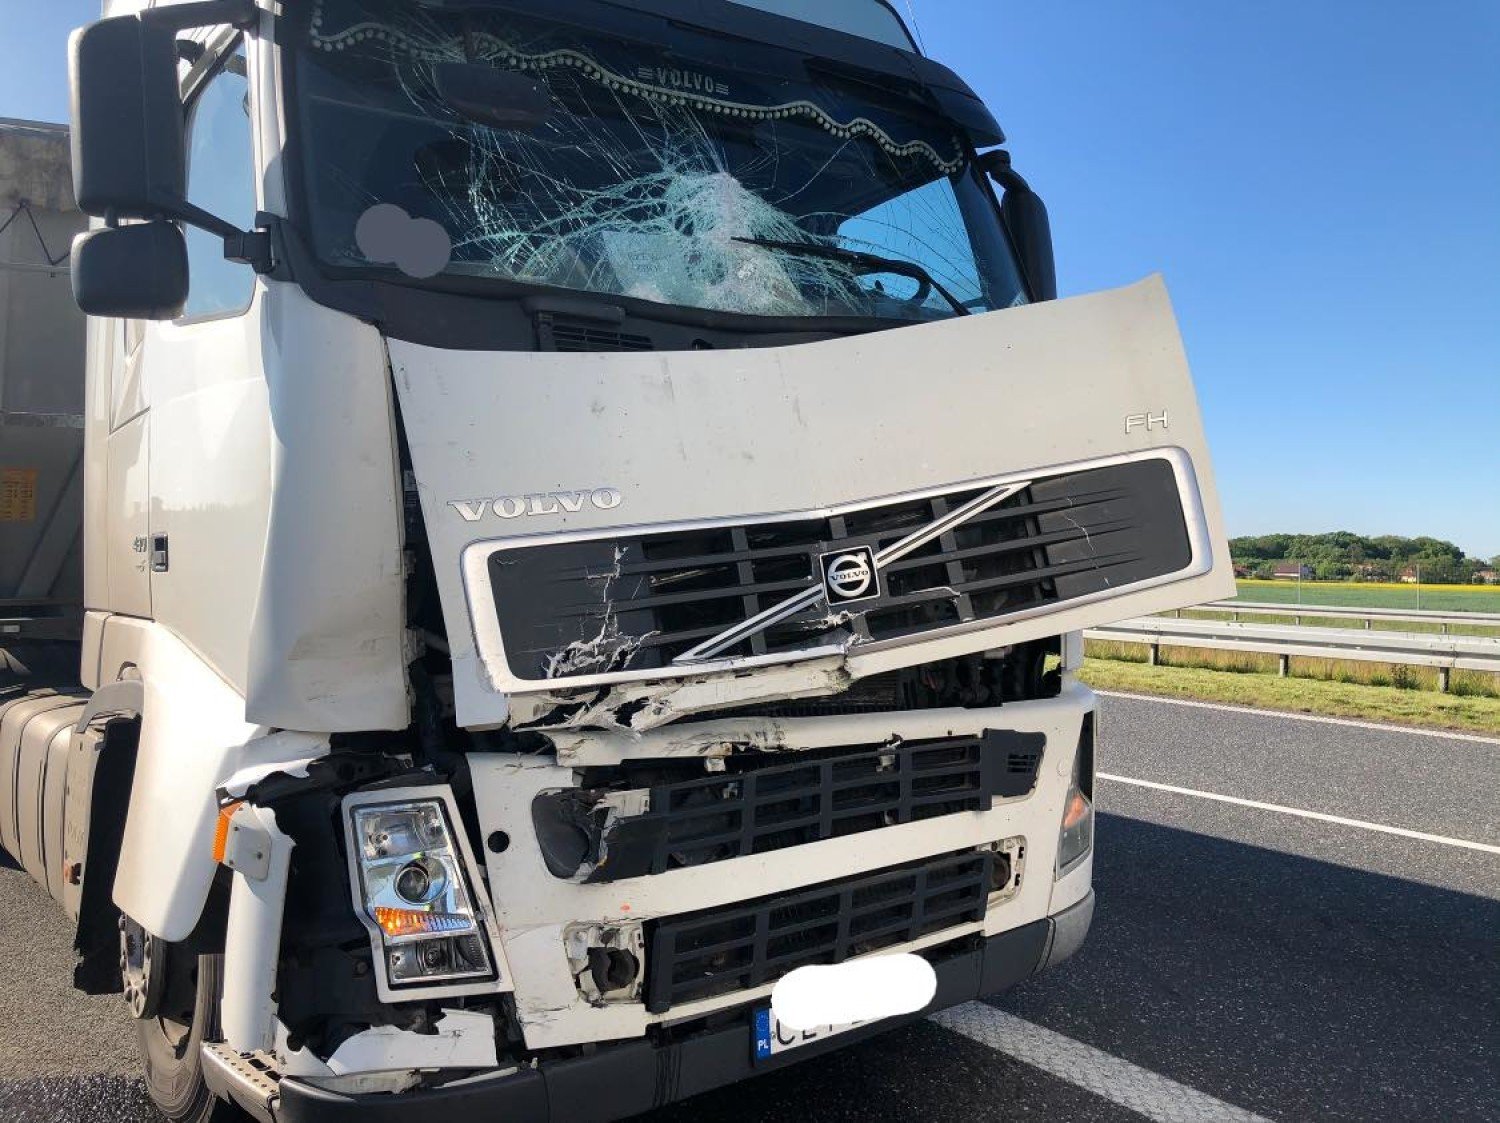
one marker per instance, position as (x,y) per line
(653,162)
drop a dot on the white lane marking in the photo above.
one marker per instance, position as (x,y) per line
(1116,1080)
(1362,824)
(1383,727)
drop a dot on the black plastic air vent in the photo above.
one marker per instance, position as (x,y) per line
(747,945)
(557,334)
(774,801)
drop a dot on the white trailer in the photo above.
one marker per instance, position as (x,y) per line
(589,508)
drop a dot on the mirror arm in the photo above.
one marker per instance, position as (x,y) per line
(186,212)
(205,13)
(255,248)
(248,247)
(996,164)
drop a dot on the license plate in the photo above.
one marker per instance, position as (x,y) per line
(770,1038)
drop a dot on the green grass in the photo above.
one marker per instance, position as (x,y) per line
(1393,704)
(1465,684)
(1347,594)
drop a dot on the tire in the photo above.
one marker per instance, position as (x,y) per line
(170,1041)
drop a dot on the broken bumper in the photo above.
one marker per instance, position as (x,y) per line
(618,1081)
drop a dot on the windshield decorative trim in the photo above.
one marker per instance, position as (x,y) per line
(452,50)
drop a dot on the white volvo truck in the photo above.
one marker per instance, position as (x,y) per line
(588,507)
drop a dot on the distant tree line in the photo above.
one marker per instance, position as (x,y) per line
(1342,555)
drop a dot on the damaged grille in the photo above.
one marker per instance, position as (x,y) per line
(638,602)
(838,792)
(724,950)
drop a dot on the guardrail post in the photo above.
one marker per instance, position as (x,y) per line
(1368,623)
(1444,627)
(1443,674)
(1283,665)
(1153,655)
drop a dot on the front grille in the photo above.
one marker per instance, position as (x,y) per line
(761,807)
(601,606)
(721,951)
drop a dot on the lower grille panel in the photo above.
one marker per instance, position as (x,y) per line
(702,955)
(775,801)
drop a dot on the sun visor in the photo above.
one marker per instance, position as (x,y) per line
(570,58)
(963,107)
(762,41)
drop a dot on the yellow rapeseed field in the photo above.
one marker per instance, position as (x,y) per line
(1402,586)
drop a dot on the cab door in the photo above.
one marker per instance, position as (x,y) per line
(210,443)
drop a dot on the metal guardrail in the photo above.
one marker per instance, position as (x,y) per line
(1447,653)
(1445,620)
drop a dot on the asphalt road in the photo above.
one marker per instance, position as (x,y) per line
(1292,967)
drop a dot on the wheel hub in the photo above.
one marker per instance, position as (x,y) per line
(141,968)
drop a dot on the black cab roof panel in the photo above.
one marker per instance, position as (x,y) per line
(869,19)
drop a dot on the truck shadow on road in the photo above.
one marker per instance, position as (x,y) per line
(1296,988)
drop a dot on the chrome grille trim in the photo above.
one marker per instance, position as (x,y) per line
(490,647)
(730,637)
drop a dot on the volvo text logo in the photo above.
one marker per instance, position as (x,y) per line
(552,503)
(850,575)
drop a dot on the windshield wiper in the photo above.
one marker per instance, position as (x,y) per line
(871,262)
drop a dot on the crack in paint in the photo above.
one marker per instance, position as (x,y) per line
(1087,541)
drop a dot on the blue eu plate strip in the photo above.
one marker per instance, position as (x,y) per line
(762,1033)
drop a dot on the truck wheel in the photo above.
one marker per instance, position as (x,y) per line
(187,1016)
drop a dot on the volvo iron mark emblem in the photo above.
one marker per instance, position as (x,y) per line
(850,575)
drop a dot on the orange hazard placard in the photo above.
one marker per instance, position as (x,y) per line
(17,495)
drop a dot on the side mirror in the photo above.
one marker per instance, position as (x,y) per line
(139,272)
(1025,218)
(487,95)
(129,156)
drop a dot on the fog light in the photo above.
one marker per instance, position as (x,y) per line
(606,960)
(436,959)
(999,872)
(613,969)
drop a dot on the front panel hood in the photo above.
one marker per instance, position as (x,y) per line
(586,510)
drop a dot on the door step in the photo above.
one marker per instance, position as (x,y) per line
(252,1080)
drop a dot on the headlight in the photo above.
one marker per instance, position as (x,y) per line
(412,885)
(1076,837)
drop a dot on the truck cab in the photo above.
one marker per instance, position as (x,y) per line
(589,508)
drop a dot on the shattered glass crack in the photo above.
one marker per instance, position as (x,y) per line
(638,185)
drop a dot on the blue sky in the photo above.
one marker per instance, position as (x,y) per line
(1319,180)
